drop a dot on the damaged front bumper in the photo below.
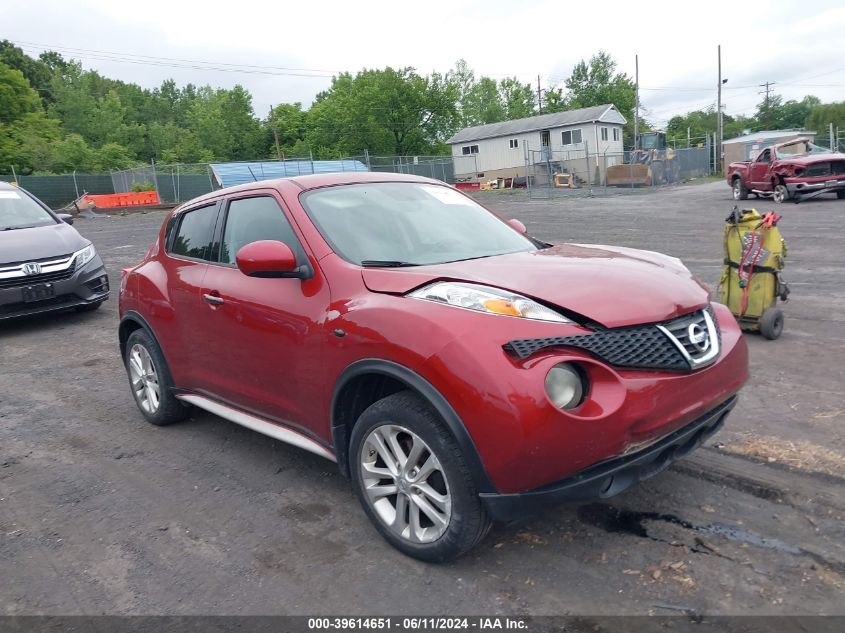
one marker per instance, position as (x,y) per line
(802,187)
(612,476)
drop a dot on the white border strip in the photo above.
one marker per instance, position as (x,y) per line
(257,424)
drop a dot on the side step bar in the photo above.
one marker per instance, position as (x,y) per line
(258,424)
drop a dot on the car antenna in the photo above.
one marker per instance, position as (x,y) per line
(254,179)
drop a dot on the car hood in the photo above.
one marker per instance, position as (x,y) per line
(611,285)
(22,245)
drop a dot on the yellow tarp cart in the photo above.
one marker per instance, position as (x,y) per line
(751,280)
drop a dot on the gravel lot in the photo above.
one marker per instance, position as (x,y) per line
(103,513)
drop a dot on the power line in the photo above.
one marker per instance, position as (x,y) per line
(154,58)
(195,66)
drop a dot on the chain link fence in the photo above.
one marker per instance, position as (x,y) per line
(178,183)
(61,190)
(549,173)
(566,172)
(438,167)
(174,183)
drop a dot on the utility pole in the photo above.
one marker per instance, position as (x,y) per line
(767,86)
(719,106)
(636,102)
(539,96)
(275,134)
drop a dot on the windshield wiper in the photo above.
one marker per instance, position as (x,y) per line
(385,263)
(10,228)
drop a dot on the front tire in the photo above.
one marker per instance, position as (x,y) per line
(780,194)
(413,482)
(150,381)
(740,192)
(841,194)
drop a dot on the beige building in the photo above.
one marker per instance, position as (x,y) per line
(747,147)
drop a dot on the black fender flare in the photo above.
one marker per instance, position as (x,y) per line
(424,389)
(132,315)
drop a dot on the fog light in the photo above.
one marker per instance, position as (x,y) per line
(565,386)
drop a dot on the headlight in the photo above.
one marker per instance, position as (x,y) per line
(85,255)
(487,299)
(564,386)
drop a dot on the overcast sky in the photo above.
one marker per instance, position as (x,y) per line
(796,45)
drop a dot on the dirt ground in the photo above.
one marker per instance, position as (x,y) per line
(101,513)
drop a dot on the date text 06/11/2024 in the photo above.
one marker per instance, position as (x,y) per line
(429,623)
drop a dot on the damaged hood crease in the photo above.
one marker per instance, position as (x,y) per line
(610,285)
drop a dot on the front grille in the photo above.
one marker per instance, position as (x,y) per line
(679,328)
(6,266)
(27,280)
(650,346)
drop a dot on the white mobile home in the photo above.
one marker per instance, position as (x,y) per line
(499,150)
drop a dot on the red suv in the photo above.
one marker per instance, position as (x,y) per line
(456,369)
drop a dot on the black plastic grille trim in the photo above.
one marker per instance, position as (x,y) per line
(638,347)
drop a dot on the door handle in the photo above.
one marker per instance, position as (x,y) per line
(213,299)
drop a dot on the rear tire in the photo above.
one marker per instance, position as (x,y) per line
(150,381)
(413,482)
(771,323)
(739,190)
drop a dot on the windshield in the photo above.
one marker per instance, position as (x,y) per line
(19,211)
(403,223)
(649,141)
(799,148)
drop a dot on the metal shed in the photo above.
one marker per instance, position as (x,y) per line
(231,174)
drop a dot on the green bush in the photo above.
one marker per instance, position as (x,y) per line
(143,186)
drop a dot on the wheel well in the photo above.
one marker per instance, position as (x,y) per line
(127,326)
(351,401)
(368,380)
(736,177)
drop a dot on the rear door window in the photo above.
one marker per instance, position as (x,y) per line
(194,236)
(251,219)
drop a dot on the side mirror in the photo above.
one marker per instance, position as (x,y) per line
(519,226)
(67,218)
(270,258)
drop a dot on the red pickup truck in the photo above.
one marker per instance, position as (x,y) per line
(797,169)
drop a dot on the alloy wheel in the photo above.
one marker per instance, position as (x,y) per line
(780,194)
(405,484)
(144,378)
(737,190)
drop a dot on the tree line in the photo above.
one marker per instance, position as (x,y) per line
(772,114)
(56,116)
